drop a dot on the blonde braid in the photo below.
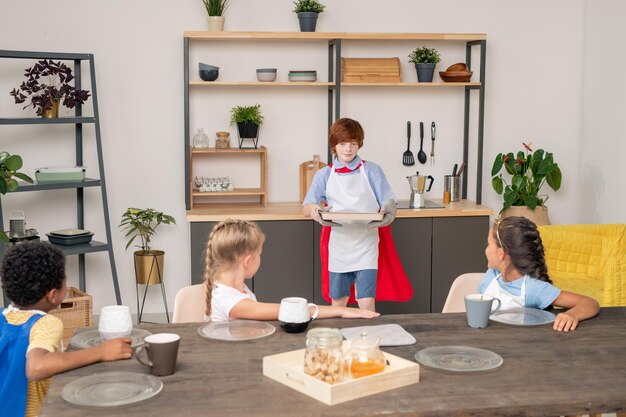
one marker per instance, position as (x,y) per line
(227,242)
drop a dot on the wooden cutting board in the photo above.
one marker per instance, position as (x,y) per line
(307,172)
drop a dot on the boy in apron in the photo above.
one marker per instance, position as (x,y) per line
(353,185)
(33,278)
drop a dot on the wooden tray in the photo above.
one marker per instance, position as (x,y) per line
(371,70)
(288,369)
(329,215)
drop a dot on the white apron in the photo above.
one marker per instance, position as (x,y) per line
(508,300)
(354,246)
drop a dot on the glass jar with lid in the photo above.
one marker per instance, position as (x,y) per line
(323,358)
(365,357)
(200,139)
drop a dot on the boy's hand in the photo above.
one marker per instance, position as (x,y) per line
(565,322)
(114,349)
(389,209)
(357,313)
(317,216)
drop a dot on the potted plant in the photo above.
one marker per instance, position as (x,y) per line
(216,9)
(9,166)
(425,60)
(248,120)
(308,12)
(48,84)
(143,223)
(529,171)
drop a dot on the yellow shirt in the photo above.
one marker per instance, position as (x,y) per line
(46,333)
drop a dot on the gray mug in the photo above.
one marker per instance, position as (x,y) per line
(478,308)
(161,350)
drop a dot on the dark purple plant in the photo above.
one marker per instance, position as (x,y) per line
(56,86)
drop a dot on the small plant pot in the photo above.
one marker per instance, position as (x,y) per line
(425,72)
(216,23)
(248,130)
(308,21)
(149,266)
(51,113)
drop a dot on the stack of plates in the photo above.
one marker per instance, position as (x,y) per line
(308,75)
(69,237)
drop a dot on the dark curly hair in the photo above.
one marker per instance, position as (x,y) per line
(29,270)
(520,238)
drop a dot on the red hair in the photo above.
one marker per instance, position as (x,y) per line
(345,130)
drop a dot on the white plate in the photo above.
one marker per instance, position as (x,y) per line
(70,232)
(92,337)
(111,388)
(523,317)
(236,330)
(459,358)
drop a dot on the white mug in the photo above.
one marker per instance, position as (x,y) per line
(296,310)
(115,321)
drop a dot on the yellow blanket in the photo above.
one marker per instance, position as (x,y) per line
(588,259)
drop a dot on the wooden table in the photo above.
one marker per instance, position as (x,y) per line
(545,373)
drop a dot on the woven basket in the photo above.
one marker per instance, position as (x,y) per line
(75,311)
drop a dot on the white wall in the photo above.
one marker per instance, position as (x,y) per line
(534,90)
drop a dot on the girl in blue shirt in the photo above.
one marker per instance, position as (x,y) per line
(518,274)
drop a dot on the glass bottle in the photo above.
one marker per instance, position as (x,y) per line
(200,139)
(365,357)
(323,358)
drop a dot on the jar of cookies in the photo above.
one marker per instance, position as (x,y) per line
(323,358)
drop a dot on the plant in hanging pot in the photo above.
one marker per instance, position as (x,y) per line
(425,60)
(308,11)
(9,166)
(143,223)
(216,10)
(47,86)
(248,120)
(529,171)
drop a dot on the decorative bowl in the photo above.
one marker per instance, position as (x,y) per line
(209,75)
(266,76)
(202,66)
(455,76)
(266,70)
(457,67)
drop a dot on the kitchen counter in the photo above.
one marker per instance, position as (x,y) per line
(293,211)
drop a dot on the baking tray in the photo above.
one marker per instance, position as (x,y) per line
(69,240)
(331,215)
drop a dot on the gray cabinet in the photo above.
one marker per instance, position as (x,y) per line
(433,252)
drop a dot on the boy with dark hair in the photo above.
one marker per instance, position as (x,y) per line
(33,278)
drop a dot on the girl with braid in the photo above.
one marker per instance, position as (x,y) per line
(518,274)
(233,254)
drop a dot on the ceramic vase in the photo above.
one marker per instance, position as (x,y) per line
(216,23)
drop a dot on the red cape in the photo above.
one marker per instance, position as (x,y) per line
(392,282)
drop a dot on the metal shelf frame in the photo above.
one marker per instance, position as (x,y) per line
(77,120)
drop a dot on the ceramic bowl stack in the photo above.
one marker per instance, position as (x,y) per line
(457,73)
(266,74)
(69,237)
(208,72)
(303,76)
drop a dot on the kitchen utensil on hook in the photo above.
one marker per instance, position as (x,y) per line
(432,149)
(407,156)
(454,170)
(421,155)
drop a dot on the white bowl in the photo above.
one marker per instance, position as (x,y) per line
(266,76)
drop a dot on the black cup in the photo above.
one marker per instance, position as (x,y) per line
(295,327)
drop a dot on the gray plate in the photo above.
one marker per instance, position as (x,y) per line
(236,330)
(111,388)
(459,358)
(523,317)
(92,337)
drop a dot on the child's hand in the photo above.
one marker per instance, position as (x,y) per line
(565,322)
(114,349)
(357,313)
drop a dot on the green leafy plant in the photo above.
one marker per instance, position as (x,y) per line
(424,55)
(142,223)
(312,6)
(246,114)
(528,171)
(47,82)
(9,166)
(216,7)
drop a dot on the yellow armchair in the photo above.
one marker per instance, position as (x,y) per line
(588,259)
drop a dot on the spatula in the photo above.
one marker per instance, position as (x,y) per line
(407,156)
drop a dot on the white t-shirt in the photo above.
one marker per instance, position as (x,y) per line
(224,298)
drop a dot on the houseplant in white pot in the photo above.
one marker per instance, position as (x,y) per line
(529,171)
(308,12)
(425,60)
(9,166)
(216,10)
(248,120)
(142,224)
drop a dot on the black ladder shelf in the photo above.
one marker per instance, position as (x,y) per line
(77,120)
